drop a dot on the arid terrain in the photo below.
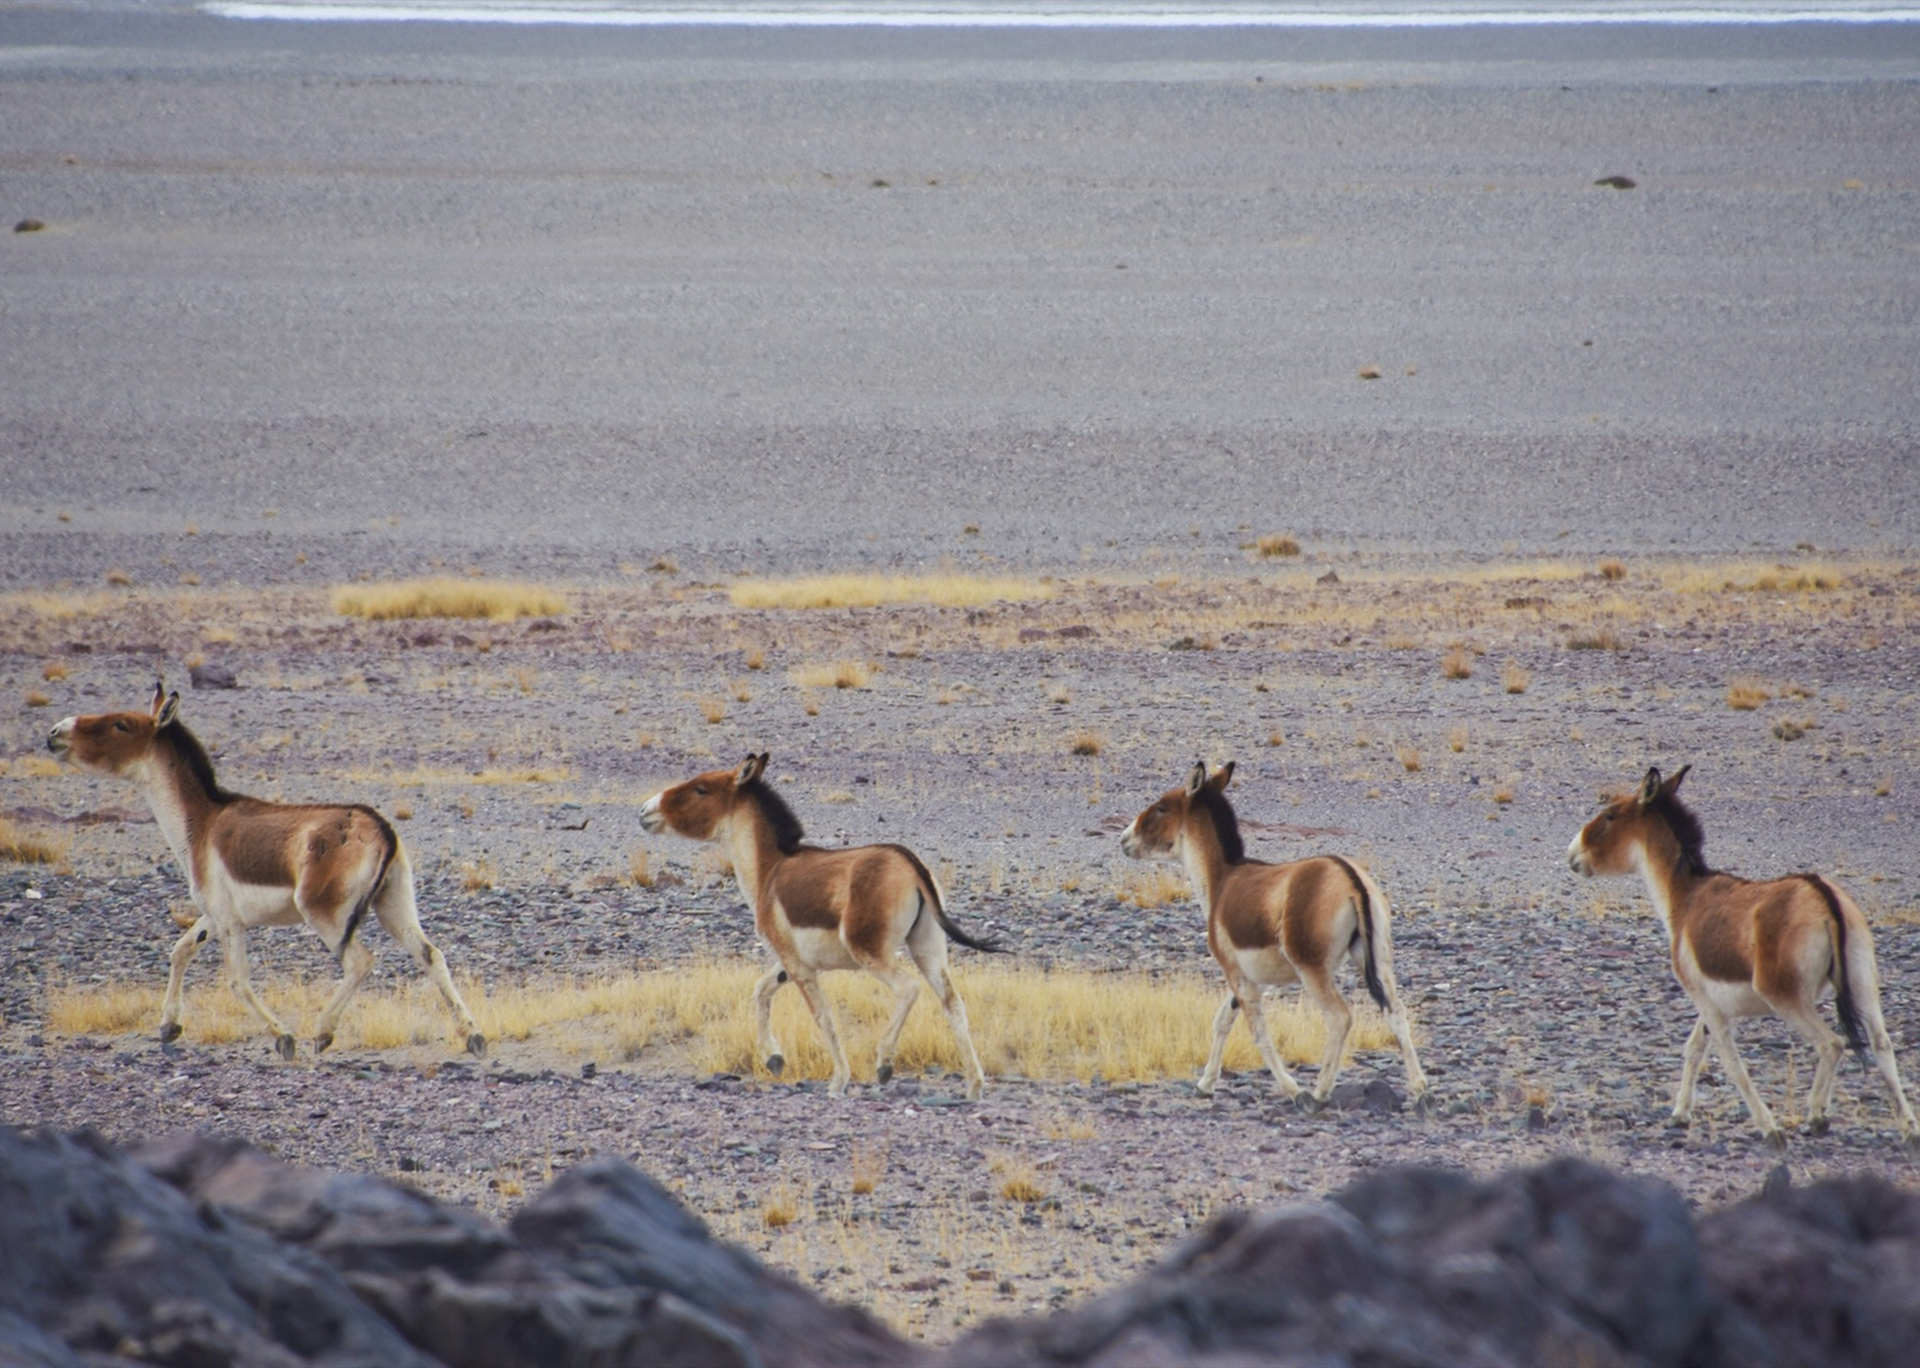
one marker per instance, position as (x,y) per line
(1450,723)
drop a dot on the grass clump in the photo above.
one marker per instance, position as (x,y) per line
(1276,544)
(23,845)
(493,601)
(838,674)
(870,591)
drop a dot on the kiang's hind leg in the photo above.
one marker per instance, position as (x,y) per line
(905,987)
(1248,992)
(1828,1049)
(1720,1031)
(395,907)
(1338,1015)
(1395,1011)
(356,962)
(927,943)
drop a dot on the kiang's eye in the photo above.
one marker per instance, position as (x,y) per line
(120,726)
(700,790)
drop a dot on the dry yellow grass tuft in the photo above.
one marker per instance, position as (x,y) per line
(713,709)
(477,876)
(1087,743)
(640,867)
(1757,579)
(1062,1025)
(1457,738)
(1613,570)
(36,699)
(1457,664)
(23,845)
(840,674)
(870,591)
(1515,679)
(1596,639)
(495,601)
(55,670)
(1276,544)
(1409,758)
(1747,693)
(1153,885)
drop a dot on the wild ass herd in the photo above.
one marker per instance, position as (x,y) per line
(1739,947)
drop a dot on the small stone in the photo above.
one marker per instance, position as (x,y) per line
(29,225)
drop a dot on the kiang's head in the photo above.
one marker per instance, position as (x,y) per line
(1612,842)
(699,807)
(1156,832)
(114,743)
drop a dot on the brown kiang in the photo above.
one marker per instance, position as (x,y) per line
(253,863)
(1744,947)
(818,910)
(1270,924)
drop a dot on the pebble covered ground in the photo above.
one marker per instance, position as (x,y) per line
(1545,1010)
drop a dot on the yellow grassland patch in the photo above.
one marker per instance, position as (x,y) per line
(870,591)
(1065,1025)
(25,845)
(493,600)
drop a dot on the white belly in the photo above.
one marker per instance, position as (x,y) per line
(1268,967)
(822,949)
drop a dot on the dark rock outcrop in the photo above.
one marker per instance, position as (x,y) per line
(200,1251)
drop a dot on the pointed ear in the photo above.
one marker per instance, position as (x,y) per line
(1672,786)
(750,769)
(159,697)
(1649,788)
(1197,779)
(1222,777)
(169,710)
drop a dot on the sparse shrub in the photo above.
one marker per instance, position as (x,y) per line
(1087,743)
(1747,693)
(1409,758)
(37,699)
(840,674)
(120,579)
(756,658)
(640,867)
(1457,664)
(1503,794)
(1457,740)
(713,709)
(1276,544)
(55,670)
(1515,679)
(1597,639)
(478,876)
(1613,569)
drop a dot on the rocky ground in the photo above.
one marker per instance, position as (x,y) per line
(1545,1012)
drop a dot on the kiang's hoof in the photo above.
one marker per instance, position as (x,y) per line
(883,1074)
(1776,1141)
(776,1064)
(1309,1104)
(320,1042)
(1678,1122)
(1820,1125)
(169,1032)
(477,1045)
(286,1045)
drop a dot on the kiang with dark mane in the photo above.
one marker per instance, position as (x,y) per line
(1744,947)
(253,863)
(1271,924)
(819,910)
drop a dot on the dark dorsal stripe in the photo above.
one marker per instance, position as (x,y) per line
(1686,830)
(187,748)
(1844,1005)
(787,834)
(1226,825)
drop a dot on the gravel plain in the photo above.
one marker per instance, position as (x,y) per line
(639,316)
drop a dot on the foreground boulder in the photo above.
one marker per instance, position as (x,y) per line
(202,1251)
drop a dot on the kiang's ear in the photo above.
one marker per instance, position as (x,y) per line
(1672,786)
(1222,777)
(1197,780)
(168,711)
(159,696)
(751,769)
(1650,787)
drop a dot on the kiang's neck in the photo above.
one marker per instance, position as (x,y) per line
(179,801)
(1203,858)
(1668,874)
(751,846)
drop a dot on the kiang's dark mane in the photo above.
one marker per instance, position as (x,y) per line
(1225,825)
(1686,830)
(787,834)
(194,756)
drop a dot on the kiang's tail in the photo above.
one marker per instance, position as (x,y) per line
(389,848)
(930,899)
(1363,899)
(1845,1006)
